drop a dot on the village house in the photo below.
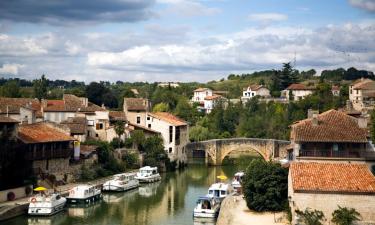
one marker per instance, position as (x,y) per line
(48,147)
(21,109)
(333,136)
(335,90)
(136,109)
(175,134)
(297,92)
(325,186)
(211,101)
(77,126)
(255,90)
(168,84)
(200,94)
(8,128)
(362,94)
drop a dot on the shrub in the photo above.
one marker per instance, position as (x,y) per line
(345,216)
(87,174)
(311,217)
(131,160)
(117,143)
(265,186)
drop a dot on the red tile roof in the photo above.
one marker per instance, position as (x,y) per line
(169,118)
(71,103)
(201,89)
(41,133)
(77,125)
(5,119)
(364,84)
(117,115)
(13,105)
(331,177)
(299,87)
(212,97)
(136,104)
(333,126)
(255,87)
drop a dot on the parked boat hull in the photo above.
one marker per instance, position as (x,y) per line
(206,214)
(115,188)
(46,211)
(87,200)
(148,179)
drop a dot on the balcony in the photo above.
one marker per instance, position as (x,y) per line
(48,154)
(330,153)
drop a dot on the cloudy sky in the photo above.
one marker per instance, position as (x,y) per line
(181,40)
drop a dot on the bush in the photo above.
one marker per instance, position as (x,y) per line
(87,174)
(265,186)
(117,143)
(311,217)
(128,143)
(345,216)
(131,160)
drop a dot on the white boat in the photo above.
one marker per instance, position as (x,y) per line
(121,182)
(237,181)
(148,174)
(219,190)
(46,205)
(84,194)
(207,207)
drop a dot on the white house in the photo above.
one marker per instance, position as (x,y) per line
(335,90)
(200,94)
(255,90)
(174,131)
(325,186)
(297,91)
(362,94)
(168,84)
(211,101)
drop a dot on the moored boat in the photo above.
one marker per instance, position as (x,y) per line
(237,181)
(148,174)
(207,207)
(83,194)
(219,190)
(121,182)
(46,205)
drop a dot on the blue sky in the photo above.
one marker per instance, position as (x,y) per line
(181,40)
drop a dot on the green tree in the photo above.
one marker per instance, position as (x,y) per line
(120,128)
(161,107)
(311,217)
(11,89)
(265,186)
(40,88)
(199,133)
(138,138)
(185,110)
(345,216)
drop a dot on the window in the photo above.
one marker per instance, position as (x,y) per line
(148,118)
(170,134)
(149,125)
(177,135)
(170,150)
(90,122)
(88,133)
(99,126)
(357,92)
(138,119)
(97,135)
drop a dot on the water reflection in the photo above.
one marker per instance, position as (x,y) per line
(170,201)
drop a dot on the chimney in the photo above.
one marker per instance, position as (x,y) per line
(315,120)
(103,106)
(362,120)
(349,106)
(311,112)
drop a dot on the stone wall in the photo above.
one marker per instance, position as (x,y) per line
(19,192)
(57,167)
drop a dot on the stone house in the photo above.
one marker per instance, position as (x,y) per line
(174,131)
(200,94)
(21,109)
(48,147)
(362,94)
(331,135)
(211,101)
(8,128)
(77,126)
(136,109)
(255,90)
(297,92)
(325,186)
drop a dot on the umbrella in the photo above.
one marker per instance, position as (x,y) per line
(40,189)
(222,177)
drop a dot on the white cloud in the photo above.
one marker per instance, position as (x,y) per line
(10,69)
(188,8)
(368,5)
(268,17)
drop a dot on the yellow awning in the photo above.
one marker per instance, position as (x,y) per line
(40,189)
(222,177)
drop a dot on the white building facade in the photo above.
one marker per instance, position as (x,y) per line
(200,94)
(255,90)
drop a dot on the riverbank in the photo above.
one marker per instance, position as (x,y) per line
(235,212)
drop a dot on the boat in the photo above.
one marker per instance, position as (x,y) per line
(219,190)
(237,181)
(46,205)
(121,182)
(148,174)
(84,194)
(207,207)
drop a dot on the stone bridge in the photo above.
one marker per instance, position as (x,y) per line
(217,149)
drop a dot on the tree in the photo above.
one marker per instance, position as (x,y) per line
(40,88)
(138,138)
(345,216)
(99,94)
(311,217)
(11,89)
(120,128)
(265,186)
(161,107)
(287,76)
(199,133)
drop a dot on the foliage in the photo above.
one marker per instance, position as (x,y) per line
(131,160)
(186,111)
(99,94)
(87,174)
(120,128)
(345,216)
(40,88)
(11,89)
(138,138)
(311,217)
(265,186)
(199,133)
(161,107)
(117,143)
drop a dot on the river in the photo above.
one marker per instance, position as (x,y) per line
(168,202)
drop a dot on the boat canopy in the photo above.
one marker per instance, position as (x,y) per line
(148,168)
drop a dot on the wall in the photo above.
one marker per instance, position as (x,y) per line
(302,201)
(57,117)
(132,117)
(19,193)
(199,96)
(58,167)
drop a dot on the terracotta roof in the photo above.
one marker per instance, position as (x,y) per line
(41,133)
(299,87)
(87,150)
(117,116)
(201,89)
(364,84)
(13,105)
(255,87)
(5,119)
(333,126)
(212,97)
(71,103)
(332,177)
(136,104)
(77,125)
(169,118)
(137,126)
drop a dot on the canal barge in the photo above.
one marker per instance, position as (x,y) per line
(207,207)
(237,181)
(219,190)
(84,194)
(46,205)
(121,182)
(148,174)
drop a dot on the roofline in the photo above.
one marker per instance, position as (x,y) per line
(334,192)
(27,142)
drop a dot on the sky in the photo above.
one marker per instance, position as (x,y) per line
(181,40)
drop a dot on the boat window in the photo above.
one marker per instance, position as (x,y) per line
(223,192)
(210,192)
(58,197)
(217,193)
(206,204)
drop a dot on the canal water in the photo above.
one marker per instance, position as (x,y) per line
(168,202)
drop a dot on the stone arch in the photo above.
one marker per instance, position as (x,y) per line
(227,149)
